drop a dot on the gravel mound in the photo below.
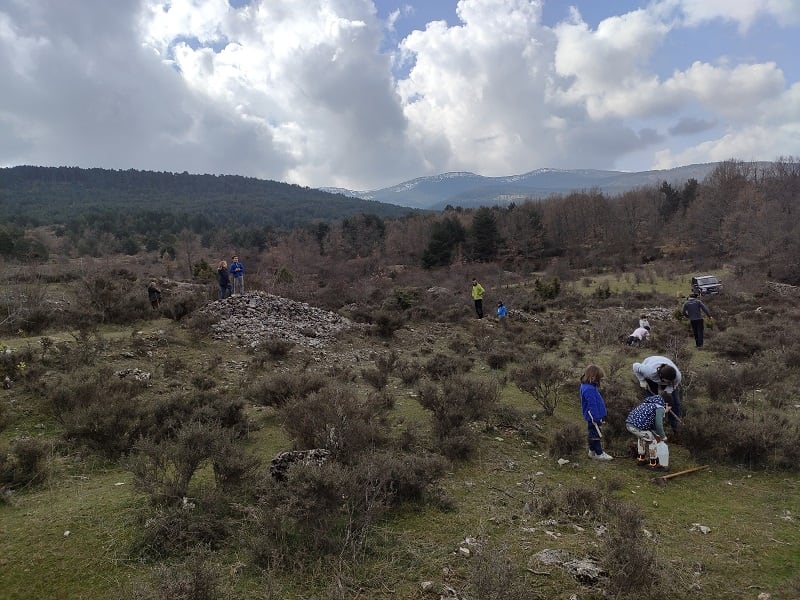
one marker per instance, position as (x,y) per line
(256,317)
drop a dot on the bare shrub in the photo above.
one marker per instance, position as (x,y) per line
(441,366)
(375,377)
(462,400)
(164,469)
(499,359)
(379,376)
(757,438)
(740,343)
(336,419)
(198,577)
(278,389)
(409,372)
(178,529)
(97,409)
(567,440)
(495,575)
(630,559)
(24,464)
(505,416)
(332,508)
(542,379)
(270,349)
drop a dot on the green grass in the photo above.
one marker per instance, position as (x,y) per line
(752,547)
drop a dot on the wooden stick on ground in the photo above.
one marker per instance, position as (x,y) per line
(662,480)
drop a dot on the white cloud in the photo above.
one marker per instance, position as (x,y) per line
(743,12)
(306,91)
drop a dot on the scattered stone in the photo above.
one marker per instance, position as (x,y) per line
(257,317)
(279,465)
(549,556)
(563,461)
(701,528)
(426,585)
(584,570)
(135,373)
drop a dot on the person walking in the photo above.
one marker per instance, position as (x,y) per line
(593,409)
(659,375)
(154,295)
(646,422)
(237,270)
(224,280)
(693,309)
(477,297)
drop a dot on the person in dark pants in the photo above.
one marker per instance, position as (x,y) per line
(659,375)
(693,309)
(593,409)
(224,280)
(477,296)
(154,295)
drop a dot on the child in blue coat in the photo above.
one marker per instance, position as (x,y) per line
(594,410)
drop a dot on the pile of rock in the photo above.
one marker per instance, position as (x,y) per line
(257,317)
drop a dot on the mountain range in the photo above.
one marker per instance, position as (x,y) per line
(469,190)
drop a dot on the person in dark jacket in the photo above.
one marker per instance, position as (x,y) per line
(693,309)
(224,280)
(154,295)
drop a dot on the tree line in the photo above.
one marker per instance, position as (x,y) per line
(740,213)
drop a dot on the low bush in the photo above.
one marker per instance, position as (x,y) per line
(336,419)
(461,401)
(542,379)
(495,574)
(198,577)
(567,440)
(278,389)
(629,558)
(761,438)
(24,463)
(441,366)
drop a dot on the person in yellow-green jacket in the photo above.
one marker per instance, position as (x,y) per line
(477,296)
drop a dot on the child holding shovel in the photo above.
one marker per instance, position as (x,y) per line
(594,410)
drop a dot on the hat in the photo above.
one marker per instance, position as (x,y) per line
(693,295)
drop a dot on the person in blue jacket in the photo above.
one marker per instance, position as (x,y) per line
(594,410)
(501,310)
(237,271)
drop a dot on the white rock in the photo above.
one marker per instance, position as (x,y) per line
(563,461)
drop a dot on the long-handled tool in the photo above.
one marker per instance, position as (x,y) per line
(662,480)
(670,411)
(596,428)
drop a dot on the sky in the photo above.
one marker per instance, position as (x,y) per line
(365,94)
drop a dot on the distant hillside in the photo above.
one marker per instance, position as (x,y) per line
(45,195)
(470,190)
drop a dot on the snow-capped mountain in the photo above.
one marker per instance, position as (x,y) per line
(470,190)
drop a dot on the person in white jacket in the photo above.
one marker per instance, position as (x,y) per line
(659,375)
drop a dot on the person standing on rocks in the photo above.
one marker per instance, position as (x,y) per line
(224,280)
(477,297)
(693,309)
(237,270)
